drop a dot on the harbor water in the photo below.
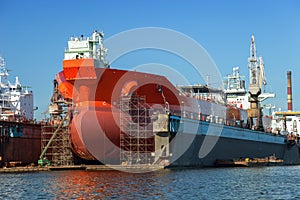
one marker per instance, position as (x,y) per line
(281,182)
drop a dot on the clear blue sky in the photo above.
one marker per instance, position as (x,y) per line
(34,33)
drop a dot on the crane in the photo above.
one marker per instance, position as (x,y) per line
(257,80)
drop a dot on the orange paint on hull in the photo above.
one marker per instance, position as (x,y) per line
(95,128)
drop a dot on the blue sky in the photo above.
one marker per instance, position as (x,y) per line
(33,35)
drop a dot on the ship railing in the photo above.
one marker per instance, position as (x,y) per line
(82,38)
(203,117)
(219,120)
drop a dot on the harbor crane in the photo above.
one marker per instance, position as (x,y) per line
(257,80)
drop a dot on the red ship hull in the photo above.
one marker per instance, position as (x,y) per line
(95,127)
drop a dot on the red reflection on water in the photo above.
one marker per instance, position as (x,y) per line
(105,184)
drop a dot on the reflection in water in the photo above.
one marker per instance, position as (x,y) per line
(107,184)
(221,183)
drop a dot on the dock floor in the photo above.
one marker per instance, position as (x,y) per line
(133,168)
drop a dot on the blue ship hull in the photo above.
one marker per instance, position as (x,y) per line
(212,141)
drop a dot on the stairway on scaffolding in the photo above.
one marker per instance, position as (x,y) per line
(55,143)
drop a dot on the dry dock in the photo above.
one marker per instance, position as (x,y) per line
(138,168)
(22,169)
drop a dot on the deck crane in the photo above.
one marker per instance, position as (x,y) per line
(257,80)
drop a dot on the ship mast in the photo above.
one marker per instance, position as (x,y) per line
(3,71)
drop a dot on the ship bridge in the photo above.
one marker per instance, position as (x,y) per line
(202,92)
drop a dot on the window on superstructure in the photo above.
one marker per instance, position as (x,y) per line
(19,88)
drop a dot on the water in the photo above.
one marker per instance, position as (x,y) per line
(221,183)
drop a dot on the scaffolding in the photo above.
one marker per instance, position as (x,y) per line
(56,143)
(136,136)
(55,138)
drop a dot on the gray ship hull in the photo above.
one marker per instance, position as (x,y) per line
(209,142)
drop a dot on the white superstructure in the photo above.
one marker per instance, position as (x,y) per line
(235,91)
(16,101)
(88,47)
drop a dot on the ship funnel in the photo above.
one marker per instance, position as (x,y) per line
(289,91)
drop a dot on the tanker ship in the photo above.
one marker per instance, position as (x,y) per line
(129,117)
(20,136)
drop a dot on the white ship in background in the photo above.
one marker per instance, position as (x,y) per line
(236,94)
(16,101)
